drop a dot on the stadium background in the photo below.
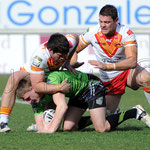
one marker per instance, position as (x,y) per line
(25,24)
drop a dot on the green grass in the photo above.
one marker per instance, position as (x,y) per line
(131,135)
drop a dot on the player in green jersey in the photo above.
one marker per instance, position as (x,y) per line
(86,91)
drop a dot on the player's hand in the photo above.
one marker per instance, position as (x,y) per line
(68,67)
(98,64)
(64,86)
(77,64)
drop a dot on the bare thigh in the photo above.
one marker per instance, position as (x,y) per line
(8,97)
(138,77)
(112,102)
(72,118)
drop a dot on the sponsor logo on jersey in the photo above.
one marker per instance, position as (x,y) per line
(119,44)
(129,32)
(36,61)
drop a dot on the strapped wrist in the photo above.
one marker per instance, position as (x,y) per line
(58,87)
(114,65)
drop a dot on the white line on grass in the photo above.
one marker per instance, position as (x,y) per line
(17,101)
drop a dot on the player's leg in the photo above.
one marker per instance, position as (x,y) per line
(8,99)
(99,120)
(102,124)
(72,118)
(147,95)
(139,77)
(112,102)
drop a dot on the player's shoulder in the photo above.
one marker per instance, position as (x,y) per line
(41,51)
(124,29)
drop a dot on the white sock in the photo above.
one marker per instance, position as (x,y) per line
(4,118)
(147,95)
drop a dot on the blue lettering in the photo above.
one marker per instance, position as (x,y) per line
(119,14)
(29,15)
(128,12)
(87,21)
(53,9)
(66,9)
(138,15)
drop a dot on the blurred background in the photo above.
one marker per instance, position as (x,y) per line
(25,24)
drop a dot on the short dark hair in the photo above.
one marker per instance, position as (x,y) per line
(109,10)
(58,43)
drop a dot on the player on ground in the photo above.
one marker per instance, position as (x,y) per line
(115,48)
(49,56)
(86,91)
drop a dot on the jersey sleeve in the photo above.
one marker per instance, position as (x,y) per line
(130,38)
(86,37)
(72,41)
(54,78)
(40,107)
(38,62)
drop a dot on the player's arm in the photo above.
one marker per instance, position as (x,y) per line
(61,108)
(73,40)
(38,84)
(128,63)
(39,121)
(78,49)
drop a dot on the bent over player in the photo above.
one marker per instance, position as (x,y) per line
(86,91)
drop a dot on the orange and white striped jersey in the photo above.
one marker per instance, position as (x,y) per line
(109,50)
(41,61)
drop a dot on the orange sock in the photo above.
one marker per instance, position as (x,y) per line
(5,110)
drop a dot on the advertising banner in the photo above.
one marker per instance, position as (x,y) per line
(69,14)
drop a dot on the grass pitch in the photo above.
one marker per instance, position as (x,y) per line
(131,135)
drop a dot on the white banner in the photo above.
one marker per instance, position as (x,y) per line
(11,53)
(69,14)
(15,50)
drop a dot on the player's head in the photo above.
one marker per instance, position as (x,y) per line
(58,43)
(25,92)
(108,19)
(58,46)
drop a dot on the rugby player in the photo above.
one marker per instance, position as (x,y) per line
(115,48)
(86,91)
(51,55)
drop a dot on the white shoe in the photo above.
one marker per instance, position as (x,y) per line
(32,128)
(4,127)
(142,115)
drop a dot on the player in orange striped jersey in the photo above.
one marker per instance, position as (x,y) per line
(115,48)
(49,56)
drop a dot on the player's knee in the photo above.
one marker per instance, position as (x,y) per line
(144,79)
(100,129)
(69,126)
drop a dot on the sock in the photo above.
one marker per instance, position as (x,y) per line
(4,114)
(116,119)
(84,122)
(147,95)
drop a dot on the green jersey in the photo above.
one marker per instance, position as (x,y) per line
(78,82)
